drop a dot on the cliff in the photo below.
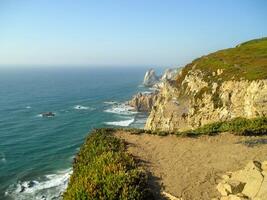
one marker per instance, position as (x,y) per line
(143,102)
(218,87)
(150,78)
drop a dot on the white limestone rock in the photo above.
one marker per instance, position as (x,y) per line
(150,78)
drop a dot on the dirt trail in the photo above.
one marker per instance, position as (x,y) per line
(191,167)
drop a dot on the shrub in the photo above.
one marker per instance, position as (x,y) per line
(238,126)
(103,170)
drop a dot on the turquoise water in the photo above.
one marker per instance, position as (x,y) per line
(35,152)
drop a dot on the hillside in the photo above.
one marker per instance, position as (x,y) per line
(220,86)
(245,61)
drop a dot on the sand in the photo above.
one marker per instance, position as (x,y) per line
(190,168)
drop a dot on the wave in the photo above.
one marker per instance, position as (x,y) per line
(80,107)
(121,123)
(41,115)
(121,109)
(146,92)
(110,102)
(51,187)
(28,107)
(2,158)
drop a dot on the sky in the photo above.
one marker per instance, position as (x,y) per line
(123,32)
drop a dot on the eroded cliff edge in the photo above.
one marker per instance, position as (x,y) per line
(220,86)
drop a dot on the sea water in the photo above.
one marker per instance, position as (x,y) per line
(36,152)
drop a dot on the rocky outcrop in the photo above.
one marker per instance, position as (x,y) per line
(150,78)
(223,85)
(169,74)
(48,114)
(196,99)
(247,183)
(143,102)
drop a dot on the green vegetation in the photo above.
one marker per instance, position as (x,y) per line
(237,126)
(103,170)
(247,60)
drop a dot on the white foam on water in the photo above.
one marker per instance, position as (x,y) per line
(80,107)
(41,115)
(121,123)
(28,107)
(51,187)
(141,120)
(121,109)
(153,89)
(110,102)
(147,92)
(2,158)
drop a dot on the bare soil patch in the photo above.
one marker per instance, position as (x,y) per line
(190,168)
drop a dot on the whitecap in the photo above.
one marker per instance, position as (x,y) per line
(2,158)
(49,116)
(51,187)
(121,123)
(110,102)
(146,92)
(121,109)
(80,107)
(28,107)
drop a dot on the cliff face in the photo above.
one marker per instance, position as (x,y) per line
(150,78)
(208,90)
(143,102)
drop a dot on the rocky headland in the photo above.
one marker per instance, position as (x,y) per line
(221,86)
(205,137)
(144,101)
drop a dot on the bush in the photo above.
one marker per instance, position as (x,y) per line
(103,170)
(238,126)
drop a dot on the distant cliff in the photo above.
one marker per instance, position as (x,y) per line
(220,86)
(150,78)
(143,102)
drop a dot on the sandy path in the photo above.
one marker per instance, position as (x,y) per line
(191,167)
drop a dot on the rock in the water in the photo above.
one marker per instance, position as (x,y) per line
(48,114)
(150,78)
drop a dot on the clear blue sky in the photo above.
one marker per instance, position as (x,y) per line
(125,32)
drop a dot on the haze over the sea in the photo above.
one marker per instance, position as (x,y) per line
(123,33)
(67,67)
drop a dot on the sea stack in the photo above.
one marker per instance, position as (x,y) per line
(150,78)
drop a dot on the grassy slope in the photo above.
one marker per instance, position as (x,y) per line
(103,170)
(236,126)
(247,60)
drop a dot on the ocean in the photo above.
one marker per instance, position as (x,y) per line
(36,153)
